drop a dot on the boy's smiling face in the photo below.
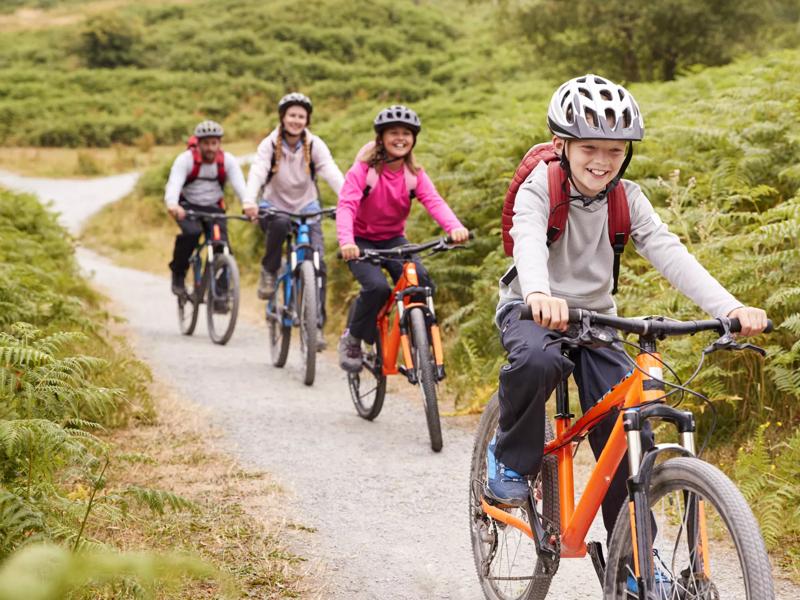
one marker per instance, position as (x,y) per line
(594,163)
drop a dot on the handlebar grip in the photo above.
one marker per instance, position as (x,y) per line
(526,314)
(736,326)
(449,240)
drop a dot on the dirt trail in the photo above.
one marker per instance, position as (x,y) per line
(389,516)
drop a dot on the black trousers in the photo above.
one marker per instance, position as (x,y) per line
(277,228)
(189,237)
(528,380)
(375,289)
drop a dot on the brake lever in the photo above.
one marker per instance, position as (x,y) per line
(588,336)
(728,342)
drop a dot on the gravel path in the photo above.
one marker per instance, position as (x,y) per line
(389,515)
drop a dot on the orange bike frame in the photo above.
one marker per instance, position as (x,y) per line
(388,323)
(575,521)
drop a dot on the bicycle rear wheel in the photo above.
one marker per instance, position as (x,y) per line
(506,560)
(223,298)
(426,375)
(189,303)
(280,334)
(709,544)
(306,298)
(368,388)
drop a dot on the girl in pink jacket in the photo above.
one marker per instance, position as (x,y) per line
(374,203)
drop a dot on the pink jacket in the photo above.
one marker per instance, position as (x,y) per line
(382,215)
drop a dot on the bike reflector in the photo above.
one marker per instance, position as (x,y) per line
(217,236)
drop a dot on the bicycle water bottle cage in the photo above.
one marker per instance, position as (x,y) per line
(728,342)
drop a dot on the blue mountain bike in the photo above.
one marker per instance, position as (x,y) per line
(296,302)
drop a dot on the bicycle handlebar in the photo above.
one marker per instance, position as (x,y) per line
(327,212)
(193,214)
(406,250)
(650,327)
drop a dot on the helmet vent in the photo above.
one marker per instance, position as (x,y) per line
(591,117)
(584,92)
(605,95)
(626,118)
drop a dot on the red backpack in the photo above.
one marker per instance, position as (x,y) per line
(198,161)
(619,218)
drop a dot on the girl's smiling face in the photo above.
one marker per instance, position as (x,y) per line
(398,141)
(593,163)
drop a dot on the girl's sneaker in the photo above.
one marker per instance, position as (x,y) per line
(350,352)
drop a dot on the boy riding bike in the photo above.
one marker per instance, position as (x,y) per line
(374,204)
(285,168)
(594,124)
(196,182)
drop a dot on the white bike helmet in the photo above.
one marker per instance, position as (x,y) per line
(591,107)
(208,129)
(295,99)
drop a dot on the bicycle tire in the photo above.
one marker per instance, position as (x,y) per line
(691,476)
(369,400)
(426,375)
(280,334)
(223,266)
(481,525)
(307,319)
(189,303)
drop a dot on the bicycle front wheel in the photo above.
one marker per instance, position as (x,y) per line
(707,543)
(506,560)
(223,298)
(189,303)
(426,375)
(307,317)
(278,312)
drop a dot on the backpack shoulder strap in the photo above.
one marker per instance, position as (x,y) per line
(221,175)
(197,161)
(619,226)
(311,166)
(271,165)
(411,182)
(558,191)
(372,179)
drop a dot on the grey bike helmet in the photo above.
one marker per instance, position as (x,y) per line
(208,129)
(591,107)
(295,99)
(397,115)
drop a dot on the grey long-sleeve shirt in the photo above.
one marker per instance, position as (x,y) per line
(205,190)
(579,266)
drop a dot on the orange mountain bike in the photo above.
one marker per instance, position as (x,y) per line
(408,324)
(686,533)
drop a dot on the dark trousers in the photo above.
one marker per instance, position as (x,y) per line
(277,228)
(528,380)
(375,290)
(191,229)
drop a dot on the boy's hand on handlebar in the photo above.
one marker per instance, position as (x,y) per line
(349,251)
(549,312)
(251,211)
(460,235)
(177,212)
(753,320)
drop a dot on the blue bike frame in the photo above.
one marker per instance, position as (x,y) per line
(297,254)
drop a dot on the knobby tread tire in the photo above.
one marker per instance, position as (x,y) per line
(308,315)
(540,584)
(426,374)
(191,303)
(368,411)
(714,486)
(223,261)
(280,335)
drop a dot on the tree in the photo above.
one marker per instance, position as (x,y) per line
(110,41)
(637,41)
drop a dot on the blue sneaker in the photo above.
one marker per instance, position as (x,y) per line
(504,485)
(662,578)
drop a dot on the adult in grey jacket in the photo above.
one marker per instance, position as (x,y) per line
(198,185)
(594,123)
